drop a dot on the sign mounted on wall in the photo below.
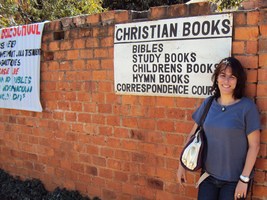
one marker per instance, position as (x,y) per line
(172,57)
(20,53)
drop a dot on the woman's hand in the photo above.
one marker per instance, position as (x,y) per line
(253,149)
(181,175)
(241,190)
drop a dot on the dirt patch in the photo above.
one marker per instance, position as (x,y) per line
(13,188)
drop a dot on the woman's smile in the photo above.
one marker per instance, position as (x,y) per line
(226,81)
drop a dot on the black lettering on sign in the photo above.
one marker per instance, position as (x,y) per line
(144,78)
(173,78)
(199,68)
(9,53)
(147,48)
(11,43)
(180,57)
(158,31)
(146,58)
(141,68)
(226,26)
(201,90)
(152,88)
(32,52)
(2,45)
(167,68)
(213,27)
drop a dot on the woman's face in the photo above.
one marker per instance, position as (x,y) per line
(226,81)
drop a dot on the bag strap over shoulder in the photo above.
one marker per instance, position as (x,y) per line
(206,110)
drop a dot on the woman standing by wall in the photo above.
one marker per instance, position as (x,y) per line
(232,129)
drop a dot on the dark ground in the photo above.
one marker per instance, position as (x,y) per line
(12,188)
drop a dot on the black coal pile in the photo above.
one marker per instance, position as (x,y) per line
(12,188)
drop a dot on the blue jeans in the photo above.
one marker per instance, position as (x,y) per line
(214,189)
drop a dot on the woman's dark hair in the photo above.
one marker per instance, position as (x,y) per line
(237,70)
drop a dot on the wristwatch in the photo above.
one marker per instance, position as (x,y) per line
(244,179)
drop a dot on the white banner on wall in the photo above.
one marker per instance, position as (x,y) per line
(172,57)
(20,53)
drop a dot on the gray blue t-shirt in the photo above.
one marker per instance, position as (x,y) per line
(226,133)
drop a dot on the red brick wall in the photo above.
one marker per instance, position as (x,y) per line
(112,146)
(250,4)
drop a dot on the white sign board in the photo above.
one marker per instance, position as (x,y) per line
(172,57)
(20,53)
